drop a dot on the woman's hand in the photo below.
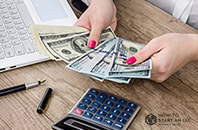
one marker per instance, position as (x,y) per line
(169,53)
(99,15)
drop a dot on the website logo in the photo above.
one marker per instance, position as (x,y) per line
(151,119)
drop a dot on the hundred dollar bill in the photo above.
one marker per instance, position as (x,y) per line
(67,49)
(48,32)
(81,61)
(118,62)
(85,60)
(99,64)
(68,46)
(133,74)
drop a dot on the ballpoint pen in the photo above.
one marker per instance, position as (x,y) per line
(20,87)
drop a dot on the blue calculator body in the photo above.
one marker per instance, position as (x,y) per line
(99,110)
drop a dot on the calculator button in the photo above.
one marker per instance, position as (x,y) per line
(107,122)
(101,97)
(112,98)
(87,114)
(128,110)
(117,126)
(93,92)
(105,108)
(97,118)
(132,105)
(122,102)
(110,116)
(118,106)
(124,115)
(78,111)
(92,109)
(82,106)
(89,96)
(115,112)
(108,103)
(101,113)
(95,104)
(86,101)
(121,120)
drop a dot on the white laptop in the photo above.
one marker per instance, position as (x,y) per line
(17,47)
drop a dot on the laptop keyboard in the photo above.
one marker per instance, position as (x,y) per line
(15,34)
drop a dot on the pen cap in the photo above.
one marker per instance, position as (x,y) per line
(45,101)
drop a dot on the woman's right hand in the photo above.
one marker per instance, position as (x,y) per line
(169,53)
(99,15)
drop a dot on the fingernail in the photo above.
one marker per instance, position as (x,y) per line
(131,60)
(92,44)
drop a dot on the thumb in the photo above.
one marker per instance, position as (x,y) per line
(144,54)
(94,36)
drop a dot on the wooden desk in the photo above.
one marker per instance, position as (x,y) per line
(138,21)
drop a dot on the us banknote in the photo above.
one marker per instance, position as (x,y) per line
(102,63)
(121,54)
(84,60)
(96,66)
(40,32)
(64,43)
(110,62)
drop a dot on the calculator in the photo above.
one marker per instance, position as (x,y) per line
(99,110)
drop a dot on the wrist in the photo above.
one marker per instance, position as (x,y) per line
(194,39)
(196,42)
(92,1)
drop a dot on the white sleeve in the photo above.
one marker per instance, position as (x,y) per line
(86,2)
(185,10)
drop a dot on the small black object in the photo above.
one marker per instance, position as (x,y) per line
(45,101)
(79,5)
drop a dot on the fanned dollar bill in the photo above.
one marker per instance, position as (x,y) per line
(118,62)
(96,65)
(134,74)
(81,61)
(106,61)
(62,42)
(110,62)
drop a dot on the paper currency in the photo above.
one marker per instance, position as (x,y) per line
(97,65)
(134,74)
(118,63)
(84,60)
(106,61)
(112,57)
(62,42)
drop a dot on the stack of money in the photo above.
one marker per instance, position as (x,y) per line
(106,61)
(64,42)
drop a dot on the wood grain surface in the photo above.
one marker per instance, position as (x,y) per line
(138,21)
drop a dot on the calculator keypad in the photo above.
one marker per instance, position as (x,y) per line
(105,108)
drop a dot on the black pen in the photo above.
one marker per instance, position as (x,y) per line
(20,87)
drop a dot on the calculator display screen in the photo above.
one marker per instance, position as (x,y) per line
(82,126)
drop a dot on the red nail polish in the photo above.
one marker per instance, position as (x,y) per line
(131,60)
(92,44)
